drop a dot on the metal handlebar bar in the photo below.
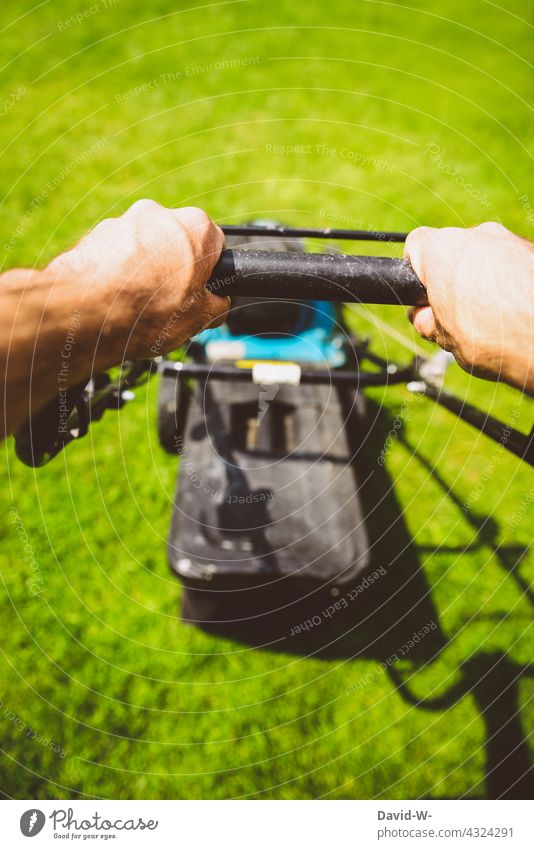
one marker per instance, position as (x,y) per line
(317,277)
(271,275)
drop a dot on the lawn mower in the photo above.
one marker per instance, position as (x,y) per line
(268,415)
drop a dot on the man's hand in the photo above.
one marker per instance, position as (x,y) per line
(133,287)
(149,267)
(480,286)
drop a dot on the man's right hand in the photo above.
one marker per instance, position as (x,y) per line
(480,286)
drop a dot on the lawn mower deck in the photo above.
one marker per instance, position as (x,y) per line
(266,495)
(266,508)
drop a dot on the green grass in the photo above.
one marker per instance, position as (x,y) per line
(425,108)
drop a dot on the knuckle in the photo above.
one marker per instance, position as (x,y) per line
(144,206)
(107,227)
(221,238)
(415,238)
(105,224)
(491,228)
(418,233)
(196,219)
(450,232)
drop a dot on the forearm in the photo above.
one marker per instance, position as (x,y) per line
(53,334)
(104,301)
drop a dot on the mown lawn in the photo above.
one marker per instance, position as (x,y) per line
(401,115)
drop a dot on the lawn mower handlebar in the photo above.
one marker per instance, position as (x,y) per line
(317,277)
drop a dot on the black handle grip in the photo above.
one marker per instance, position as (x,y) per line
(317,277)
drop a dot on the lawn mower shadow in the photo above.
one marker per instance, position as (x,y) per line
(486,530)
(492,679)
(382,622)
(395,617)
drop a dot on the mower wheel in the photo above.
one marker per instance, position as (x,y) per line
(173,403)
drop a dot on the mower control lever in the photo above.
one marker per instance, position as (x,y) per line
(317,277)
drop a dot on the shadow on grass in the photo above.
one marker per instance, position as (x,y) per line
(492,680)
(486,529)
(393,618)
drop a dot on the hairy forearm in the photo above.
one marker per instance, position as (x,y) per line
(53,334)
(104,301)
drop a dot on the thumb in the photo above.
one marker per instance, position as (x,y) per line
(424,322)
(216,309)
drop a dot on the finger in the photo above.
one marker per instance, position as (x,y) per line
(217,309)
(222,237)
(207,237)
(414,240)
(424,322)
(491,228)
(193,219)
(416,249)
(214,242)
